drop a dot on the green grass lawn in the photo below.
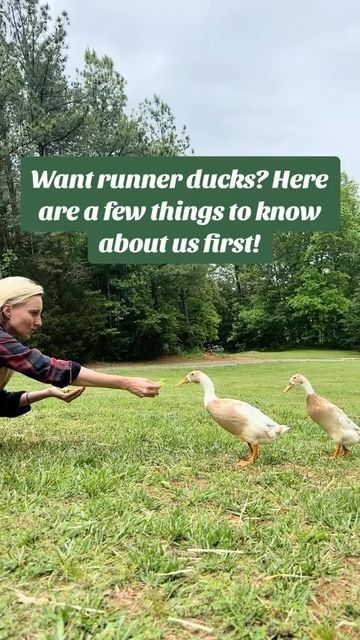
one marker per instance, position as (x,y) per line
(122,518)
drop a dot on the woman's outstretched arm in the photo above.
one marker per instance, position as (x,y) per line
(140,387)
(61,373)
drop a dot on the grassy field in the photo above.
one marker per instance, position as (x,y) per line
(124,518)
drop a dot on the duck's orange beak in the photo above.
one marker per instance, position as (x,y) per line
(288,387)
(183,381)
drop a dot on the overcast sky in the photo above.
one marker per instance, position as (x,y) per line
(261,77)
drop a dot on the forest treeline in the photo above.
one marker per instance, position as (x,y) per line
(308,296)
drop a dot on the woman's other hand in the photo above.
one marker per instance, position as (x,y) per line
(66,396)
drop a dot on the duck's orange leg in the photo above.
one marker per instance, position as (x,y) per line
(345,450)
(250,452)
(337,451)
(254,454)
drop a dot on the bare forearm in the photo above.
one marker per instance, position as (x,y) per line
(67,396)
(90,378)
(140,387)
(34,396)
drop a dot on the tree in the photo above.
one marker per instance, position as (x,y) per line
(106,130)
(158,135)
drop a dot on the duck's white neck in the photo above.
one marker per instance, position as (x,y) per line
(209,389)
(308,388)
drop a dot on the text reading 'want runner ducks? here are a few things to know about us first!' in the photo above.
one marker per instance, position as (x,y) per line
(180,210)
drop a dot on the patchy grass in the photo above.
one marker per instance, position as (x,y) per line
(341,594)
(130,519)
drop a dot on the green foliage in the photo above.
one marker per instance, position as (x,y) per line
(158,309)
(308,295)
(158,134)
(351,323)
(106,130)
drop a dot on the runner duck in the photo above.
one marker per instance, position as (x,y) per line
(328,416)
(241,419)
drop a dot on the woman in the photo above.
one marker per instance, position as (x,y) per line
(20,316)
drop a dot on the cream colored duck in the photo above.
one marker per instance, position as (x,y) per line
(243,420)
(328,416)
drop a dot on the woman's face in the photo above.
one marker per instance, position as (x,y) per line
(23,320)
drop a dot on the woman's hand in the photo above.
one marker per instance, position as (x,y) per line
(142,387)
(66,396)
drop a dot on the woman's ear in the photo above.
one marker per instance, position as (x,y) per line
(6,311)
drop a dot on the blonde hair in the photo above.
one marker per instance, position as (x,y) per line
(16,291)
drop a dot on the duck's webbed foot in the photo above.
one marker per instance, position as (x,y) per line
(345,451)
(336,452)
(254,452)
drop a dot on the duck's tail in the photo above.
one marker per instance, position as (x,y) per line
(282,428)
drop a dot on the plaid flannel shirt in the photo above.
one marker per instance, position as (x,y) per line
(34,364)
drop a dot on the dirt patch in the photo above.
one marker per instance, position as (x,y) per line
(190,483)
(184,632)
(137,600)
(208,357)
(187,635)
(201,483)
(239,519)
(177,359)
(203,357)
(128,598)
(26,520)
(336,597)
